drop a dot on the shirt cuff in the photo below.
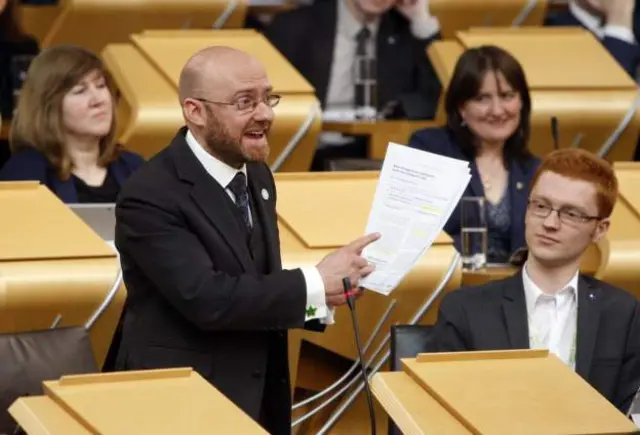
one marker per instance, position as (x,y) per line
(316,300)
(619,32)
(425,27)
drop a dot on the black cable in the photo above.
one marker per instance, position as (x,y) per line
(346,283)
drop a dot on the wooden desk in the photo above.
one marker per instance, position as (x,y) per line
(5,128)
(270,7)
(77,20)
(380,133)
(52,267)
(623,239)
(459,15)
(557,5)
(484,276)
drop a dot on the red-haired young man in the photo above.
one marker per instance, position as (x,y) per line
(590,325)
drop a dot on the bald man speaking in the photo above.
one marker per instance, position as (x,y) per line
(197,235)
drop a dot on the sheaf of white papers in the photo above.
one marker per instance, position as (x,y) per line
(636,419)
(415,195)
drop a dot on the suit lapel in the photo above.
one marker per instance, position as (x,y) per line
(388,45)
(518,195)
(475,185)
(587,325)
(514,308)
(323,42)
(212,199)
(265,211)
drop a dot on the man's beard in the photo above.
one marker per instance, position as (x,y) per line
(223,145)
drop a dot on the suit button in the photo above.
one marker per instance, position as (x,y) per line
(283,381)
(282,334)
(257,374)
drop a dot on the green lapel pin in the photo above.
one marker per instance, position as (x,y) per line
(311,311)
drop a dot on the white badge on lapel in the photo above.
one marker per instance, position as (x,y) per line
(265,194)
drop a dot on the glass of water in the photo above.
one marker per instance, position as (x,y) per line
(473,227)
(366,88)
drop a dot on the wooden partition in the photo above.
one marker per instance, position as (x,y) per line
(459,15)
(52,264)
(95,23)
(159,402)
(147,71)
(317,213)
(622,246)
(494,392)
(36,20)
(571,76)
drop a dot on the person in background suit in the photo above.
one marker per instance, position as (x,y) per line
(198,240)
(63,132)
(590,325)
(13,43)
(488,111)
(612,21)
(321,41)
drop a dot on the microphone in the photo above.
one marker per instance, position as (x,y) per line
(346,285)
(555,133)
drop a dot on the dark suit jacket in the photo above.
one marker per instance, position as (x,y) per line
(194,295)
(8,50)
(494,317)
(306,36)
(441,141)
(627,55)
(30,164)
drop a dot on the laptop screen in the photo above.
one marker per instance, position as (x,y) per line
(100,217)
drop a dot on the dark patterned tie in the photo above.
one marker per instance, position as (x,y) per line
(362,38)
(364,73)
(238,187)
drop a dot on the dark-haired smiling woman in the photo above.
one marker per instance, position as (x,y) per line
(488,109)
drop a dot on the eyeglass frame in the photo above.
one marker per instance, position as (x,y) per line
(251,108)
(582,218)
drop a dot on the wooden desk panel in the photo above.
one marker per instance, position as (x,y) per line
(169,54)
(380,133)
(83,22)
(456,15)
(5,129)
(149,114)
(588,105)
(593,69)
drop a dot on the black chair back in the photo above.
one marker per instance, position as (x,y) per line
(407,341)
(29,358)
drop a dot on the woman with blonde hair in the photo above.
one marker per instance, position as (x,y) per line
(63,131)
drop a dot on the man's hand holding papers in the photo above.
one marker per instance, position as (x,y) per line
(415,195)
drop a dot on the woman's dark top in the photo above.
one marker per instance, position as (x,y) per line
(107,192)
(30,164)
(499,230)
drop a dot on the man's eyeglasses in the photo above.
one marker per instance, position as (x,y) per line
(566,215)
(246,104)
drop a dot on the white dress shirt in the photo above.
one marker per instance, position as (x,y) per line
(593,24)
(340,92)
(340,97)
(552,318)
(223,174)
